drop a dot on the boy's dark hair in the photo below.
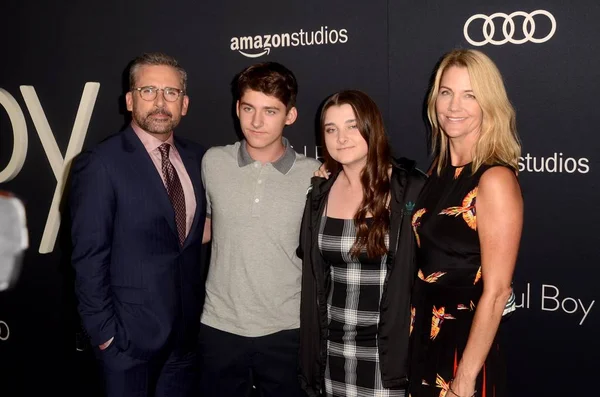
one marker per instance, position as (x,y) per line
(270,78)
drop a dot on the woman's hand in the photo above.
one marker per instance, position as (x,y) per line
(461,387)
(322,172)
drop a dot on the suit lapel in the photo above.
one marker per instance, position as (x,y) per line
(143,165)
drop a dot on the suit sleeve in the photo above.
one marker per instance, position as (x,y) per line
(92,208)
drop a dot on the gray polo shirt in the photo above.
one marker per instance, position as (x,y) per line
(253,285)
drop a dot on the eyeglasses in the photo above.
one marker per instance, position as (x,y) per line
(149,93)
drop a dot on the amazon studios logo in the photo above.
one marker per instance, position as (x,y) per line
(554,163)
(4,331)
(518,27)
(259,45)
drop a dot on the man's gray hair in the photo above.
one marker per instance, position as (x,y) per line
(155,59)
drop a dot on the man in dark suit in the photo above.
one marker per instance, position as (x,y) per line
(138,210)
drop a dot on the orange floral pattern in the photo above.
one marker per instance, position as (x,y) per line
(439,315)
(442,384)
(432,278)
(457,172)
(416,222)
(477,276)
(467,210)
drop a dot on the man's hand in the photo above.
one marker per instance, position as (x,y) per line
(106,344)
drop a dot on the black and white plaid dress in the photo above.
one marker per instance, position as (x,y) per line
(353,313)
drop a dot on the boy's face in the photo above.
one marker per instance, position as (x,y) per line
(262,119)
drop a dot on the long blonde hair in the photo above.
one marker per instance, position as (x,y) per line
(498,141)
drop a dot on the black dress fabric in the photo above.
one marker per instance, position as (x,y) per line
(448,286)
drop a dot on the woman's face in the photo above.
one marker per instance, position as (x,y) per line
(458,112)
(343,140)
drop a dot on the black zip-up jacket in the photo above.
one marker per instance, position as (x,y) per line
(394,321)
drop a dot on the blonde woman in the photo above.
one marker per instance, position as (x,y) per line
(467,223)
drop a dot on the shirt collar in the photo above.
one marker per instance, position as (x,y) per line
(283,164)
(150,142)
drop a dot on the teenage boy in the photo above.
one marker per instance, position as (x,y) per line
(256,191)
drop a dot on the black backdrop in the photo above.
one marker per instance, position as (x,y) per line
(386,48)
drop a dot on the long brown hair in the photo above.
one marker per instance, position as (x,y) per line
(374,177)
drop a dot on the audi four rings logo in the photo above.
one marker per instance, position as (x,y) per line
(4,331)
(508,28)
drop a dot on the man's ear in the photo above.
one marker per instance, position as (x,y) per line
(237,108)
(291,116)
(185,105)
(129,101)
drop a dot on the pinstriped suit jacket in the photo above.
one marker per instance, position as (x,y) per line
(133,280)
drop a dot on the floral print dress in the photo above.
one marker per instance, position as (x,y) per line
(448,286)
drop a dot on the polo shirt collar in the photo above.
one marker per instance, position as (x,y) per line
(283,164)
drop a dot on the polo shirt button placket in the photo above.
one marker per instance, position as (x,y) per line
(258,189)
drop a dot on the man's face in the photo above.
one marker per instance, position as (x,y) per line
(157,116)
(262,119)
